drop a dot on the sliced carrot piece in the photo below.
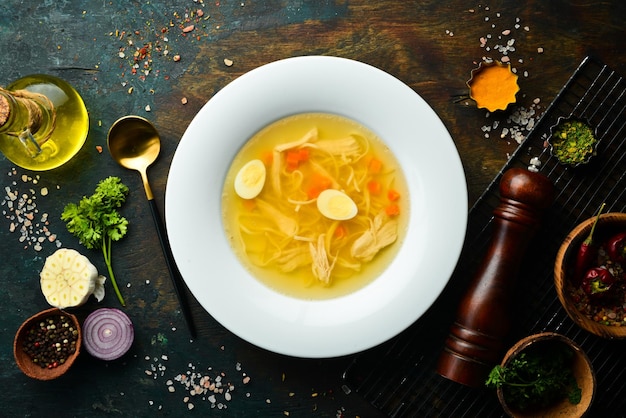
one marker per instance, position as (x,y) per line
(295,157)
(340,231)
(249,204)
(303,154)
(374,187)
(393,195)
(314,191)
(292,158)
(317,184)
(392,210)
(375,166)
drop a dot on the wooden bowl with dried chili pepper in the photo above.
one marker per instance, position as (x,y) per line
(589,275)
(47,344)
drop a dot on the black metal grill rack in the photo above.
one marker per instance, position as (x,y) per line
(399,376)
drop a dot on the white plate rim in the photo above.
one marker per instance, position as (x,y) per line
(436,228)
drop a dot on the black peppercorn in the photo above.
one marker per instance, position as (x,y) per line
(48,344)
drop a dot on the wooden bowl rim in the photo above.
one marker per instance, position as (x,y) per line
(24,362)
(586,374)
(569,247)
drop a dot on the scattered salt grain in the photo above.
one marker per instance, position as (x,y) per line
(21,210)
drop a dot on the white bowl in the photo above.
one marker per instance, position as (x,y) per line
(413,280)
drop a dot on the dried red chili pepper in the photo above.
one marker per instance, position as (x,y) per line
(616,248)
(598,282)
(586,252)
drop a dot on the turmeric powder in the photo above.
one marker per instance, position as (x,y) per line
(493,86)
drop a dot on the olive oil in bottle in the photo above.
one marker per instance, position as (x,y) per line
(43,122)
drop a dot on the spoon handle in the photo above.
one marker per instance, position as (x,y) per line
(177,279)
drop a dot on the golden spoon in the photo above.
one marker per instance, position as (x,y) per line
(135,144)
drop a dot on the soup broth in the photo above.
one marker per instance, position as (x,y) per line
(300,245)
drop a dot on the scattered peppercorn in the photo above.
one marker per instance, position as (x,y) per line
(51,342)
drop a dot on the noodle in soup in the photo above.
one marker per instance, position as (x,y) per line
(290,231)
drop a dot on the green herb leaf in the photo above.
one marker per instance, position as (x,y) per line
(96,222)
(537,378)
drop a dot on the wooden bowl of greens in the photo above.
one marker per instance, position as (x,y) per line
(545,375)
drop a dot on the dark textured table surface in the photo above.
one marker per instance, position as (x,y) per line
(430,45)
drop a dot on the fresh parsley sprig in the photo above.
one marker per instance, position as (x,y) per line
(96,222)
(537,379)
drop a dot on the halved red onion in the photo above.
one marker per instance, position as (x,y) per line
(108,333)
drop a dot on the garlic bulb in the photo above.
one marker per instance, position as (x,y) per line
(68,279)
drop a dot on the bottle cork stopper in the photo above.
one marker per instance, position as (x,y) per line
(5,110)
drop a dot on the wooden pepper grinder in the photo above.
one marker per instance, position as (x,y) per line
(477,337)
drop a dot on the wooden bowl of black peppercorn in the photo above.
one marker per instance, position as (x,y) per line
(47,344)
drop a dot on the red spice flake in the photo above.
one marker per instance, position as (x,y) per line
(189,28)
(99,149)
